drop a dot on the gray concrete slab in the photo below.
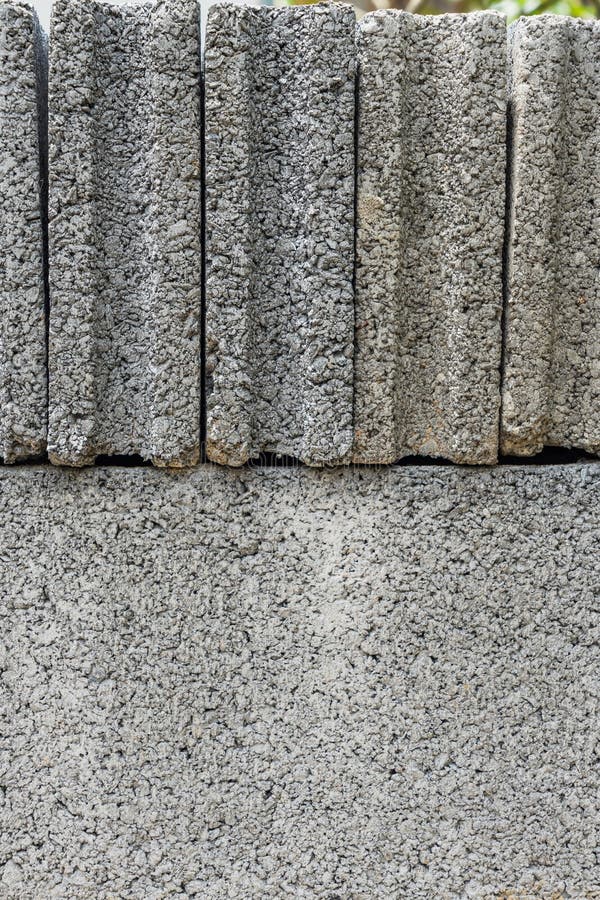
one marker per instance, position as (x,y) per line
(279,88)
(23,382)
(264,683)
(551,380)
(124,222)
(430,215)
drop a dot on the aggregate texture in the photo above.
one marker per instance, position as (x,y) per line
(23,382)
(279,88)
(551,379)
(125,231)
(371,683)
(430,224)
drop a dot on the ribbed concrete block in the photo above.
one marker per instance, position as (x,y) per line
(23,383)
(431,176)
(551,381)
(279,231)
(125,209)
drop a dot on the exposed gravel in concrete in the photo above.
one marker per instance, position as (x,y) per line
(250,684)
(125,205)
(125,234)
(23,387)
(431,185)
(279,86)
(551,385)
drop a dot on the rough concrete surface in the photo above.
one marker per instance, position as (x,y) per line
(125,209)
(551,381)
(269,683)
(430,214)
(23,384)
(279,88)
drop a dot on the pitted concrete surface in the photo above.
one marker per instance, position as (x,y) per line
(270,683)
(551,380)
(124,230)
(279,91)
(430,225)
(23,383)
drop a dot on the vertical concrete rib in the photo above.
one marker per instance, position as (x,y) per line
(23,381)
(551,372)
(124,231)
(431,189)
(279,96)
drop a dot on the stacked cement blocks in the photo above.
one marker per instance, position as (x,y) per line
(262,682)
(431,152)
(551,391)
(23,387)
(124,217)
(280,232)
(327,339)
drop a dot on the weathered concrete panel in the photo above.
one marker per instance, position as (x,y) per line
(279,87)
(378,683)
(431,175)
(23,383)
(551,381)
(125,209)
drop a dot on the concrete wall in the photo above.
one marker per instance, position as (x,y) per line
(355,682)
(271,683)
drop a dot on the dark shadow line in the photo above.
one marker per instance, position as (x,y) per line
(549,457)
(42,110)
(508,195)
(203,392)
